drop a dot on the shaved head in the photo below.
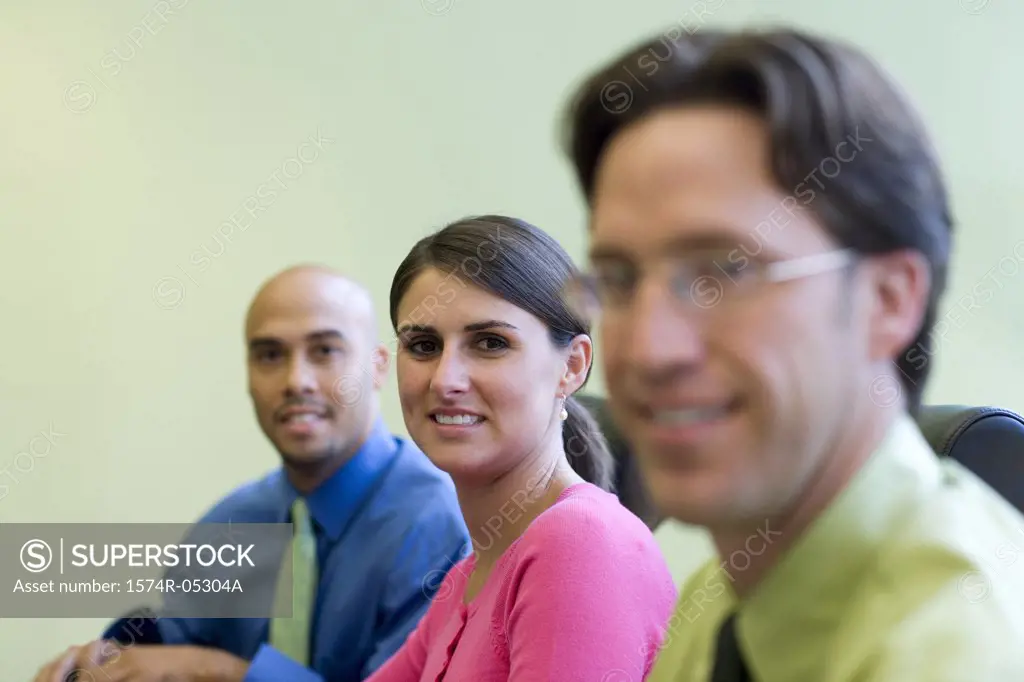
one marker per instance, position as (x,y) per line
(305,288)
(315,367)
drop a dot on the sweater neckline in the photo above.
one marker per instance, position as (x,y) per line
(468,609)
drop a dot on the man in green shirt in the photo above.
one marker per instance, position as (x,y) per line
(769,241)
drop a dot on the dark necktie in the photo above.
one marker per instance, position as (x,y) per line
(729,665)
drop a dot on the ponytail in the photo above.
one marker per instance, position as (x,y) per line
(586,447)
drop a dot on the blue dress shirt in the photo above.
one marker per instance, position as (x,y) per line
(388,526)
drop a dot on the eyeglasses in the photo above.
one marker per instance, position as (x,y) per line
(704,280)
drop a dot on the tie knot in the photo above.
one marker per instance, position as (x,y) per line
(300,517)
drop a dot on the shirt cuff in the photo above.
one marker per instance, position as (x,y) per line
(270,665)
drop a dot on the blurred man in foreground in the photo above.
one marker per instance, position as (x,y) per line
(769,241)
(375,522)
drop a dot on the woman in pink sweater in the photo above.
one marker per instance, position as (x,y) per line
(564,583)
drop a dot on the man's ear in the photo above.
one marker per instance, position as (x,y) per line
(577,364)
(901,289)
(380,361)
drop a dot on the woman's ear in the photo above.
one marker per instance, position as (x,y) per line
(577,364)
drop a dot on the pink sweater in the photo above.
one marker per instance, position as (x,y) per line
(583,595)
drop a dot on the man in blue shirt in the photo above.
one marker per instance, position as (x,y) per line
(386,522)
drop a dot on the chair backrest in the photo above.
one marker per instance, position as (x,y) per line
(987,440)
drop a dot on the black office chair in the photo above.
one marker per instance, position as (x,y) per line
(988,441)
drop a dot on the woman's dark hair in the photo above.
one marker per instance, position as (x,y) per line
(528,268)
(843,139)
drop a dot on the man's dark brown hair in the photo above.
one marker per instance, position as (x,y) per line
(845,144)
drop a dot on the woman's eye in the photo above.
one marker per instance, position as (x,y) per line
(492,343)
(421,347)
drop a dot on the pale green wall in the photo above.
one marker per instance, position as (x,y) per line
(431,116)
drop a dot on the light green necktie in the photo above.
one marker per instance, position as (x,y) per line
(290,636)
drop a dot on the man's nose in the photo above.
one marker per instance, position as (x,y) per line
(301,377)
(661,334)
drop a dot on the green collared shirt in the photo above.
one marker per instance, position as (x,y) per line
(915,573)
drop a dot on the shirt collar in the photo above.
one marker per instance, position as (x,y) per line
(809,590)
(334,504)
